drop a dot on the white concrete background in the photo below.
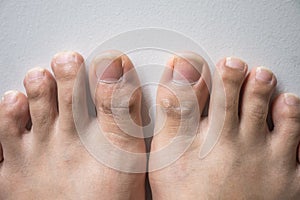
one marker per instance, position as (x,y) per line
(261,32)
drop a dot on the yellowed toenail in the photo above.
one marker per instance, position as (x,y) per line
(291,99)
(35,74)
(10,97)
(235,63)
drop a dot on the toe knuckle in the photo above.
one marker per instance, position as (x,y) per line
(105,107)
(183,110)
(169,106)
(230,79)
(258,113)
(38,90)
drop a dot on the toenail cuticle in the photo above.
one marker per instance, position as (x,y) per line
(10,97)
(291,99)
(235,63)
(35,74)
(264,74)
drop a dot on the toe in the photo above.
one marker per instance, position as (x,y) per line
(116,92)
(191,70)
(69,71)
(182,95)
(257,91)
(227,82)
(41,91)
(286,118)
(14,115)
(117,95)
(223,118)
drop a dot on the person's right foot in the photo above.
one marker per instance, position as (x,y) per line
(48,160)
(249,161)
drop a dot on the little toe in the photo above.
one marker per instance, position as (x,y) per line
(69,71)
(227,82)
(14,115)
(256,94)
(41,91)
(286,118)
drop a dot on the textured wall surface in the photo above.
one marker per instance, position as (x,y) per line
(261,32)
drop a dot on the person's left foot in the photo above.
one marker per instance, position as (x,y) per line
(248,161)
(47,160)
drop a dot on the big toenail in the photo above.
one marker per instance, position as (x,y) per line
(235,63)
(35,74)
(291,99)
(186,71)
(264,74)
(10,97)
(109,70)
(65,57)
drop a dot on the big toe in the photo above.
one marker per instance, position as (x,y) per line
(182,93)
(116,92)
(181,97)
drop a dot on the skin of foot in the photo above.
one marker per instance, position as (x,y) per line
(249,159)
(46,160)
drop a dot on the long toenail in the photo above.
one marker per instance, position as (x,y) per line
(10,97)
(186,71)
(291,99)
(35,74)
(235,63)
(65,57)
(263,74)
(109,70)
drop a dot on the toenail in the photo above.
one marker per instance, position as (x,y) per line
(35,74)
(235,63)
(291,99)
(109,70)
(264,74)
(65,57)
(186,71)
(10,97)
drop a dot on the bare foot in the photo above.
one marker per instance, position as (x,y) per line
(48,160)
(249,161)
